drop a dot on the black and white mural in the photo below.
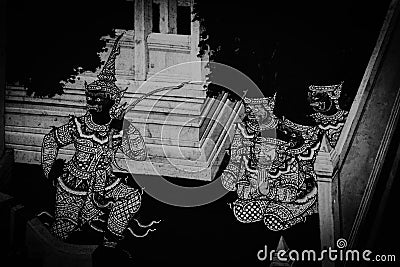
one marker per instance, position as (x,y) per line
(141,132)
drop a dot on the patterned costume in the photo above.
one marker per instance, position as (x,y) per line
(332,124)
(87,188)
(272,164)
(90,171)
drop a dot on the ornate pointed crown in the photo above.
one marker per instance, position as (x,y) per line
(106,78)
(333,91)
(267,102)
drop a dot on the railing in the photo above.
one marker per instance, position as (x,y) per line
(347,174)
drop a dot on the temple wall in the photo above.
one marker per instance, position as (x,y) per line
(184,130)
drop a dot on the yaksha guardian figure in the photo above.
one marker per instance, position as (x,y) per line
(272,160)
(270,168)
(87,189)
(329,116)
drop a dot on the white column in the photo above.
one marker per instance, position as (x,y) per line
(168,16)
(163,16)
(143,26)
(172,16)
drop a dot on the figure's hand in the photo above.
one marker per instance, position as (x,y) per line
(263,183)
(228,181)
(243,190)
(118,122)
(56,170)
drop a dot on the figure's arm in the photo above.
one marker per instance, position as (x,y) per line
(132,143)
(232,172)
(52,142)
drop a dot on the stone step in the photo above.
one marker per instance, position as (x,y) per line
(159,165)
(187,143)
(181,133)
(152,166)
(136,116)
(149,140)
(152,130)
(191,90)
(200,153)
(79,94)
(145,105)
(133,115)
(187,153)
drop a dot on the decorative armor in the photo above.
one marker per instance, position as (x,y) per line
(272,160)
(330,119)
(90,171)
(87,189)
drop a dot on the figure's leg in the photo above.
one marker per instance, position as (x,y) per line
(248,211)
(66,213)
(281,216)
(127,203)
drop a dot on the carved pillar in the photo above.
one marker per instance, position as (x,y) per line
(143,26)
(168,15)
(163,16)
(328,197)
(172,15)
